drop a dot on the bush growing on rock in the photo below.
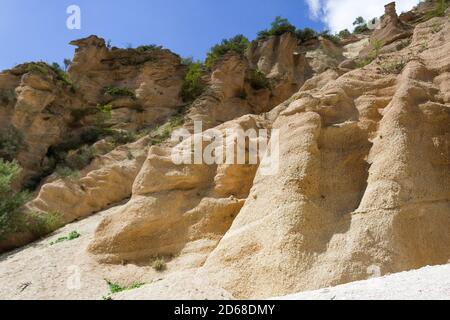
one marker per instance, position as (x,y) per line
(238,44)
(159,264)
(259,81)
(53,70)
(193,86)
(306,34)
(360,25)
(439,10)
(344,34)
(11,140)
(10,201)
(13,218)
(162,133)
(281,26)
(278,27)
(119,92)
(149,47)
(333,38)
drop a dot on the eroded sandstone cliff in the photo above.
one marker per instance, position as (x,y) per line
(363,184)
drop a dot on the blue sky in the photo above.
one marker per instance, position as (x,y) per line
(33,30)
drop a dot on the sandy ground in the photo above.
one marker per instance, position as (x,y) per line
(430,283)
(64,271)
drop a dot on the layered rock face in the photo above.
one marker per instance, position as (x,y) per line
(362,188)
(363,184)
(154,75)
(363,155)
(189,207)
(47,111)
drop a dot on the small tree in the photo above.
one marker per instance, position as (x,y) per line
(305,34)
(11,141)
(11,201)
(237,44)
(359,21)
(344,34)
(193,86)
(278,27)
(360,25)
(67,63)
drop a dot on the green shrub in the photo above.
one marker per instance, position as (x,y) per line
(122,137)
(61,75)
(306,34)
(116,288)
(393,67)
(362,62)
(11,141)
(281,26)
(376,47)
(136,285)
(258,80)
(120,92)
(193,85)
(159,264)
(11,201)
(439,10)
(278,27)
(38,67)
(12,216)
(45,69)
(42,223)
(65,172)
(72,236)
(149,47)
(162,133)
(333,38)
(404,44)
(67,64)
(344,34)
(7,95)
(80,158)
(360,25)
(130,155)
(238,44)
(105,112)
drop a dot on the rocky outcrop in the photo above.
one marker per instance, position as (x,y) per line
(37,114)
(355,191)
(391,29)
(153,75)
(178,209)
(107,180)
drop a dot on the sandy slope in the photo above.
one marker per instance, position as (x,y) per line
(44,271)
(431,283)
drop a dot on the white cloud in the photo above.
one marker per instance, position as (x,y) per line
(340,14)
(314,8)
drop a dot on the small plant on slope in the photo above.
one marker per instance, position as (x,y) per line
(159,264)
(72,236)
